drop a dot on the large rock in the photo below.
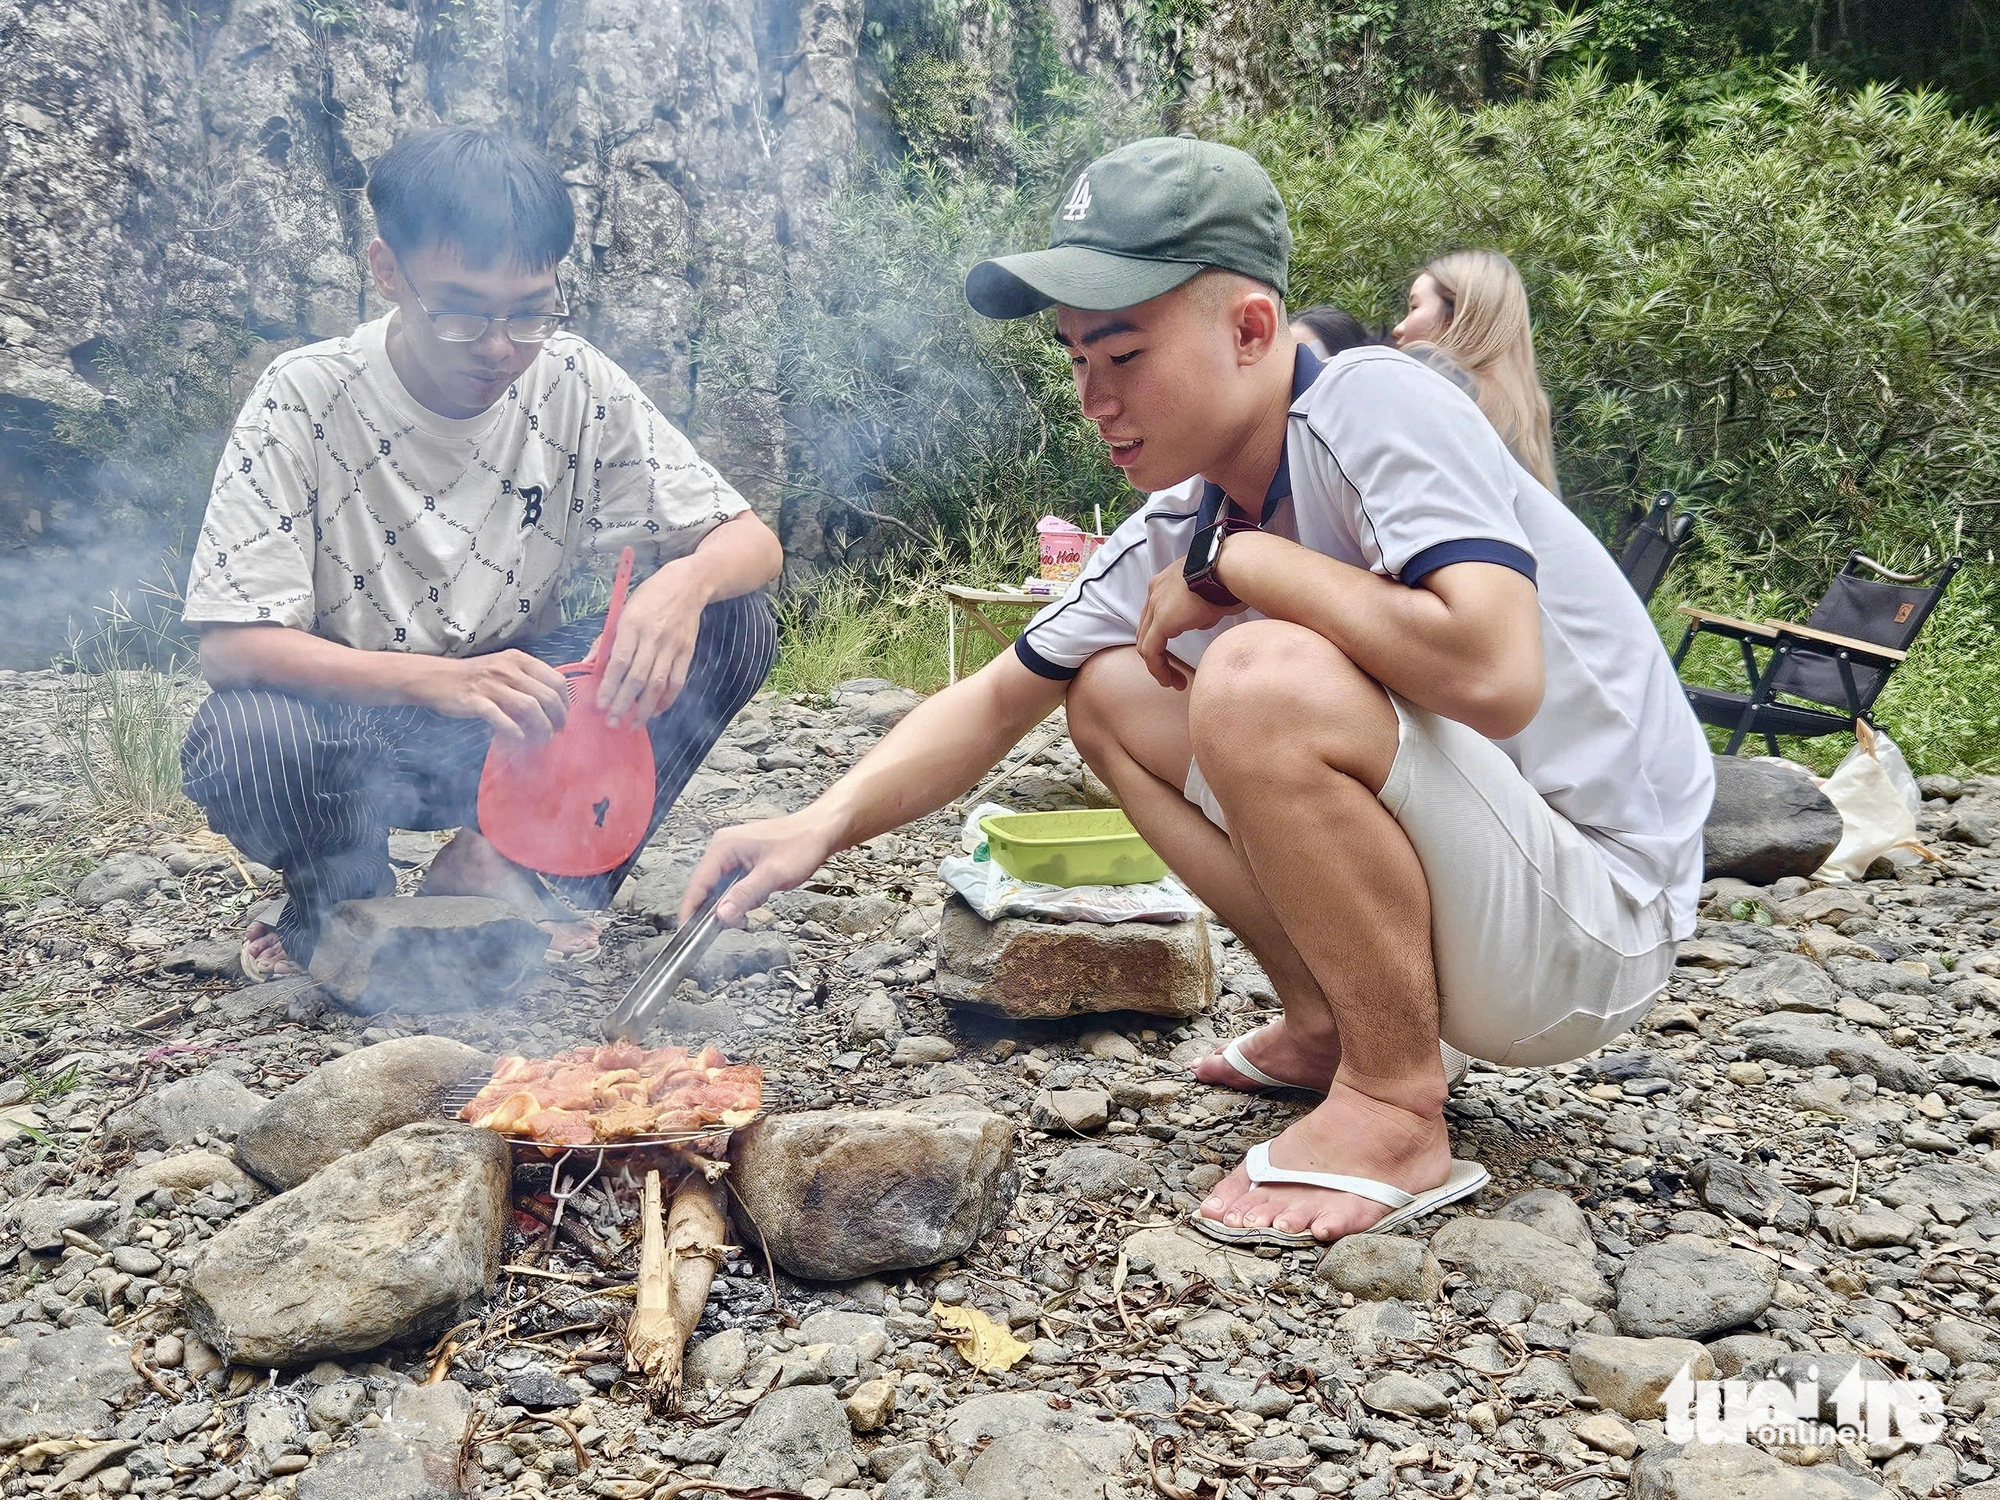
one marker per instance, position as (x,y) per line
(390,1243)
(343,1105)
(1509,1256)
(212,1103)
(1038,970)
(1786,1038)
(837,1194)
(1737,1471)
(788,1438)
(62,1384)
(1768,821)
(1629,1375)
(418,954)
(1690,1287)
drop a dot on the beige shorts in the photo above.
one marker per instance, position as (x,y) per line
(1540,957)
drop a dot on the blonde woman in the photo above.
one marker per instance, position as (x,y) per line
(1471,305)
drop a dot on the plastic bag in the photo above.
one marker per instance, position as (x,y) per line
(994,894)
(1878,801)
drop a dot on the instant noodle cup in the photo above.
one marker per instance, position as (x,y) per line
(1062,548)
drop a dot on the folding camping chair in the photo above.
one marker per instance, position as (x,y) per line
(1830,669)
(1649,550)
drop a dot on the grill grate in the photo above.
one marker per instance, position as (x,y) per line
(455,1098)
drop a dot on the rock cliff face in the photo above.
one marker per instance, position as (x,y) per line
(181,175)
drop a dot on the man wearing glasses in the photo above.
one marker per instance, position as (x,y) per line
(378,580)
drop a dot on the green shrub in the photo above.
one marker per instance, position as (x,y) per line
(1781,305)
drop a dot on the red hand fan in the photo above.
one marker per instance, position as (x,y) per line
(579,803)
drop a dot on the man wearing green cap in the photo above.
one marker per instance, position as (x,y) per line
(1371,690)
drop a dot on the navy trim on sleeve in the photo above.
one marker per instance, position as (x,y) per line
(1039,664)
(1471,549)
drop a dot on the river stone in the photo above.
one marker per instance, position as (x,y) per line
(1035,1451)
(421,954)
(1554,1213)
(1791,1039)
(343,1105)
(1782,981)
(1821,1371)
(414,1455)
(1755,1197)
(1040,970)
(1737,1471)
(1098,1172)
(844,1193)
(1376,1267)
(1404,1394)
(1628,1375)
(192,1172)
(1767,821)
(1508,1256)
(62,1384)
(1974,1189)
(1690,1287)
(787,1439)
(212,1103)
(1181,1254)
(123,877)
(736,954)
(40,1222)
(390,1243)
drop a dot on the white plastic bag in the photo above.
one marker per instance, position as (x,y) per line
(994,894)
(1878,801)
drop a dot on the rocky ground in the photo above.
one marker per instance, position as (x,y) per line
(1792,1157)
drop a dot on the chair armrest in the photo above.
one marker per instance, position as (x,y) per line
(1846,643)
(1727,624)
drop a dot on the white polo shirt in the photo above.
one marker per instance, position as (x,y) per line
(1390,467)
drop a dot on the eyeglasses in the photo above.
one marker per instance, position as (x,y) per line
(522,328)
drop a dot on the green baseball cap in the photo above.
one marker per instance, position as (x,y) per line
(1137,223)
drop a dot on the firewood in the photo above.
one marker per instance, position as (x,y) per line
(677,1265)
(650,1342)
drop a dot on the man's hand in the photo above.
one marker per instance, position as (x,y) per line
(654,647)
(1173,609)
(773,855)
(524,699)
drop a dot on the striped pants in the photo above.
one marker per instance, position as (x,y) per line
(312,788)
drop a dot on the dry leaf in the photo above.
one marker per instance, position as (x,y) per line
(984,1343)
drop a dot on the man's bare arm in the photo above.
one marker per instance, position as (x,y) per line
(1466,643)
(936,754)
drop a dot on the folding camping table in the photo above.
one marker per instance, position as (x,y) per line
(972,605)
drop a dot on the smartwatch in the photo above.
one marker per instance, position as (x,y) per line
(1203,554)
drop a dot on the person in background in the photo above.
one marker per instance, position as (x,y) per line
(1328,330)
(1472,306)
(379,579)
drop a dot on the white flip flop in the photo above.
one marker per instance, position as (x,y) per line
(1467,1178)
(1455,1063)
(1233,1055)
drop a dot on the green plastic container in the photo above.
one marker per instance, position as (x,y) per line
(1071,848)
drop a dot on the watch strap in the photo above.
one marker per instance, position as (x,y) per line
(1203,583)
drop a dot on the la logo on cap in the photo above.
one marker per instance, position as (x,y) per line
(1077,204)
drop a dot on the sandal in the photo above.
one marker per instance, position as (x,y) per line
(1455,1064)
(258,971)
(1467,1178)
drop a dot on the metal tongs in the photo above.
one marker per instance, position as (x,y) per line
(675,962)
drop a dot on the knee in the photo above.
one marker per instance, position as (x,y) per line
(1254,679)
(745,632)
(1099,701)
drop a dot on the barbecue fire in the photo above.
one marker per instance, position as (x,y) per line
(620,1092)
